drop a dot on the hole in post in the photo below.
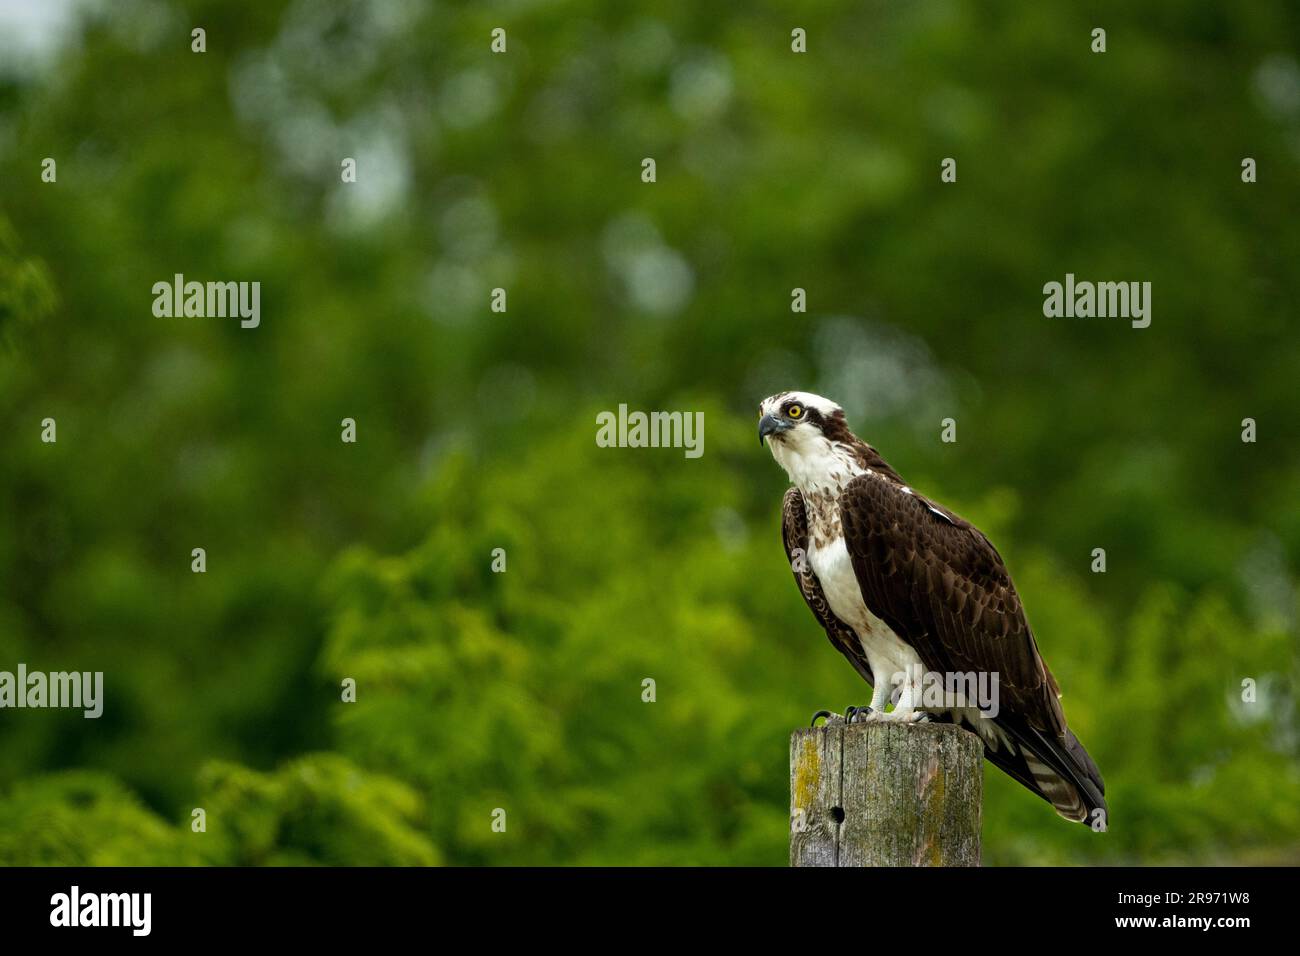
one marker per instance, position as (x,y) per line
(838,814)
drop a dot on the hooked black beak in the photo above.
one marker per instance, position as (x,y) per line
(769,425)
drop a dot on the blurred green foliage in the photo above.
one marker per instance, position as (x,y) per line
(523,690)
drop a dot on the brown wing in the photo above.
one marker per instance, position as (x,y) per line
(938,582)
(794,533)
(942,587)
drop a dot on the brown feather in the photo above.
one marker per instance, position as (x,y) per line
(794,534)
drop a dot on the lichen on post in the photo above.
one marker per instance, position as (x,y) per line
(885,794)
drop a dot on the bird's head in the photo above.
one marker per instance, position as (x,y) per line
(804,432)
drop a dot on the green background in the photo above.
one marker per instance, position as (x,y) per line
(476,429)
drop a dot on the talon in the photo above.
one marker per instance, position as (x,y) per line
(821,713)
(858,715)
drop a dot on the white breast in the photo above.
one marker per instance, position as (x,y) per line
(887,654)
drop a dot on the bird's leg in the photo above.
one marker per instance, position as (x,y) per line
(876,709)
(861,715)
(880,695)
(905,708)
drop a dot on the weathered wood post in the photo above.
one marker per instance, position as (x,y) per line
(885,794)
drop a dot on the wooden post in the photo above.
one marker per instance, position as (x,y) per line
(885,794)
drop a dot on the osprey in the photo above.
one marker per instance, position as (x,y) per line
(912,595)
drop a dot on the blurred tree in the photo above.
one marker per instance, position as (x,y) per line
(776,170)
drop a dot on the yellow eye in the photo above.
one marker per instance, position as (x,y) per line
(795,411)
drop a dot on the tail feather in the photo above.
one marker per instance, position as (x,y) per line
(1058,769)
